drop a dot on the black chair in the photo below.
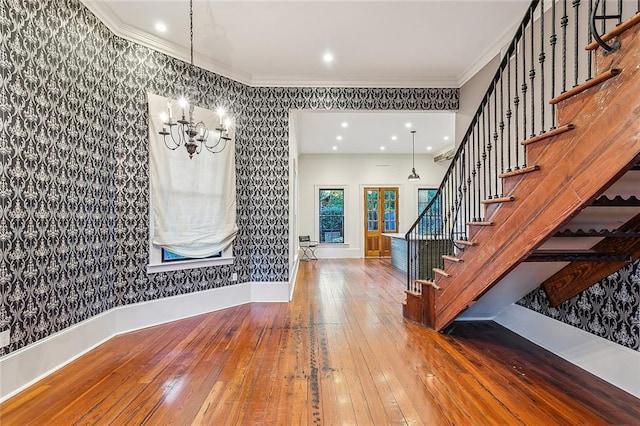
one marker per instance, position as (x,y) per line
(308,248)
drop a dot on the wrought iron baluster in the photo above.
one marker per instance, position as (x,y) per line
(516,105)
(482,141)
(563,23)
(619,12)
(532,77)
(524,83)
(590,52)
(495,136)
(467,197)
(472,186)
(509,116)
(479,174)
(541,60)
(492,174)
(502,169)
(553,41)
(576,9)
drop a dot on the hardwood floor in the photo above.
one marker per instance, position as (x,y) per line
(340,353)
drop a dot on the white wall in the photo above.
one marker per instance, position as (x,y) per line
(355,172)
(293,191)
(471,94)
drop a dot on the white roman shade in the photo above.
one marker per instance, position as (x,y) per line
(193,200)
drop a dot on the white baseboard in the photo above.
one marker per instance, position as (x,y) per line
(614,363)
(293,276)
(324,252)
(26,366)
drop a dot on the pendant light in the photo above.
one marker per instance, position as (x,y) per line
(413,176)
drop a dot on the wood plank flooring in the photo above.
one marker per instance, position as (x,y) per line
(339,354)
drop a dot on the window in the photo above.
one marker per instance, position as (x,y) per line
(431,223)
(331,215)
(169,256)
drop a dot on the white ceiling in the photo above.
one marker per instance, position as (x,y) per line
(380,43)
(367,132)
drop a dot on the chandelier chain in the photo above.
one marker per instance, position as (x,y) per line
(186,131)
(191,28)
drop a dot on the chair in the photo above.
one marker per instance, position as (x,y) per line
(308,248)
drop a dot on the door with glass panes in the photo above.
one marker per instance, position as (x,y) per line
(380,216)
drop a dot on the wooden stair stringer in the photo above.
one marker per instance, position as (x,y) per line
(607,136)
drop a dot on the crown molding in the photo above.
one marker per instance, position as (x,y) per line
(298,81)
(102,11)
(122,30)
(496,49)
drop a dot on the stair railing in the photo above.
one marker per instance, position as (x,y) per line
(603,17)
(545,58)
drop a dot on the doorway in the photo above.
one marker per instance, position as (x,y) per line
(380,216)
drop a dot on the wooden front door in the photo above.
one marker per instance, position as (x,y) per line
(380,216)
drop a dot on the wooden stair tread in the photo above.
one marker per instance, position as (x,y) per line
(577,256)
(480,223)
(499,200)
(441,272)
(465,243)
(452,258)
(428,282)
(520,171)
(601,78)
(634,20)
(549,134)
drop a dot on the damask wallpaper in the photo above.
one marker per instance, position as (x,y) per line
(74,172)
(608,309)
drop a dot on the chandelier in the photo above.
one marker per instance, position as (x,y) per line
(186,131)
(413,176)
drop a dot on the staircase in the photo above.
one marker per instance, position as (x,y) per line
(565,172)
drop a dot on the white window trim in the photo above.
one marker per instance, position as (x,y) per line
(156,265)
(316,214)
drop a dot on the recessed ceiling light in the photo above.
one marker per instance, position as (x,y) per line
(334,148)
(429,148)
(327,58)
(446,138)
(345,124)
(160,27)
(382,148)
(394,137)
(407,125)
(339,137)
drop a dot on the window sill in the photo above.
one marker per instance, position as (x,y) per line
(180,265)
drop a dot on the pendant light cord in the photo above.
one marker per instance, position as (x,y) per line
(413,149)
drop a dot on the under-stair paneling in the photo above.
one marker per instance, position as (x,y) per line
(578,276)
(608,309)
(576,167)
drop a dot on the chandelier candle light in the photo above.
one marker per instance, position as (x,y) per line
(186,131)
(413,176)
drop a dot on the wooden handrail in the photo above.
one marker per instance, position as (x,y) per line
(586,85)
(616,31)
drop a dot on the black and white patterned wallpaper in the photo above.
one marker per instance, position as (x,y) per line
(74,172)
(609,309)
